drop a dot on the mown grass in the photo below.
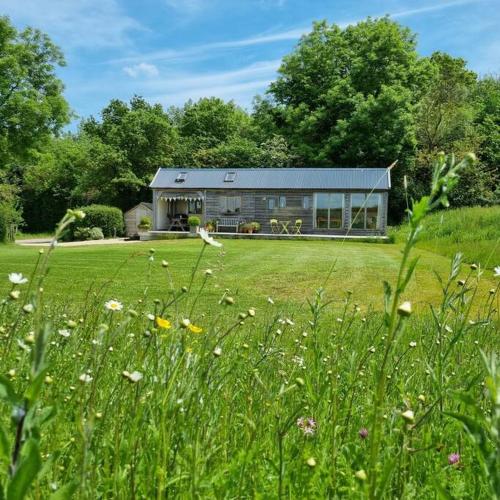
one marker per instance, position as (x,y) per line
(253,270)
(472,231)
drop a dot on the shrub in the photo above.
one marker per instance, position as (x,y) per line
(88,233)
(145,223)
(194,221)
(109,219)
(255,226)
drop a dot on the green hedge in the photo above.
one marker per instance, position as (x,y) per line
(109,219)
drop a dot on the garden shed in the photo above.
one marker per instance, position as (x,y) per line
(134,215)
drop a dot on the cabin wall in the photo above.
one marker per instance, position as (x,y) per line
(254,207)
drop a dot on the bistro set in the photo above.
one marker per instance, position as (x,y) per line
(282,226)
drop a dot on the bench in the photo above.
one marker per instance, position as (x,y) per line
(228,222)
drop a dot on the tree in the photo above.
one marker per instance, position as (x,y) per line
(347,97)
(50,183)
(211,121)
(124,150)
(32,107)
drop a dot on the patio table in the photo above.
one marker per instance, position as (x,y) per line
(284,226)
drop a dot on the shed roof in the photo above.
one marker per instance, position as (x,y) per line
(273,178)
(142,203)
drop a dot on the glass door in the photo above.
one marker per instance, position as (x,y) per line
(328,210)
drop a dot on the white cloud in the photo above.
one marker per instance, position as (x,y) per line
(142,69)
(75,23)
(267,38)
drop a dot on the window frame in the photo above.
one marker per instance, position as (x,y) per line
(363,212)
(230,177)
(315,208)
(282,201)
(225,205)
(273,200)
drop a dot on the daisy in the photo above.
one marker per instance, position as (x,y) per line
(64,333)
(163,323)
(208,239)
(113,305)
(85,378)
(19,279)
(497,272)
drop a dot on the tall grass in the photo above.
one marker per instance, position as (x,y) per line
(472,231)
(183,395)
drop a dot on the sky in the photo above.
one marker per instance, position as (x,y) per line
(169,51)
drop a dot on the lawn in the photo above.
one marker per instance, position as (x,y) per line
(252,270)
(176,393)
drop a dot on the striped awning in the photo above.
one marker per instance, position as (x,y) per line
(167,196)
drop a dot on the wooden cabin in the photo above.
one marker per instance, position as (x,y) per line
(325,200)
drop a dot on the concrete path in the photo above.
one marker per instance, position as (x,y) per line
(45,242)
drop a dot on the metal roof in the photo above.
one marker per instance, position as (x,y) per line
(273,178)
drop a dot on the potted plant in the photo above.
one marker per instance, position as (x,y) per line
(256,226)
(194,223)
(144,224)
(246,228)
(210,226)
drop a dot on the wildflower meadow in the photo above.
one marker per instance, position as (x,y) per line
(186,394)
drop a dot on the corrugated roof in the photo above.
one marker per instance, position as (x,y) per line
(274,178)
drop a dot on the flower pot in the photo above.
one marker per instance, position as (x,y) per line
(193,229)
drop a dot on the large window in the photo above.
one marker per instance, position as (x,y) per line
(366,210)
(329,208)
(231,204)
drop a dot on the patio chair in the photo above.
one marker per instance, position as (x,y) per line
(297,227)
(275,227)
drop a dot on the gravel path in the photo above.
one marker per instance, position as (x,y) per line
(45,242)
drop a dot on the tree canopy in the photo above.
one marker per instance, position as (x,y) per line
(354,96)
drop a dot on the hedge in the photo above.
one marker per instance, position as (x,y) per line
(109,219)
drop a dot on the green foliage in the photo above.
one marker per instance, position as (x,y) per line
(475,232)
(108,219)
(32,106)
(88,233)
(50,185)
(145,223)
(123,151)
(194,221)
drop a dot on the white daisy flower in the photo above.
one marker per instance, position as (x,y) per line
(85,378)
(64,333)
(497,272)
(208,239)
(19,279)
(135,376)
(113,305)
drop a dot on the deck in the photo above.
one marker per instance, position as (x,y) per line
(166,235)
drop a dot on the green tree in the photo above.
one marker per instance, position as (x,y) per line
(50,184)
(347,97)
(124,150)
(32,107)
(211,121)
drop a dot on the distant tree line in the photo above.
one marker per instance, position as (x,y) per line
(358,96)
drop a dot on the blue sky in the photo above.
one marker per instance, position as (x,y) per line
(171,50)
